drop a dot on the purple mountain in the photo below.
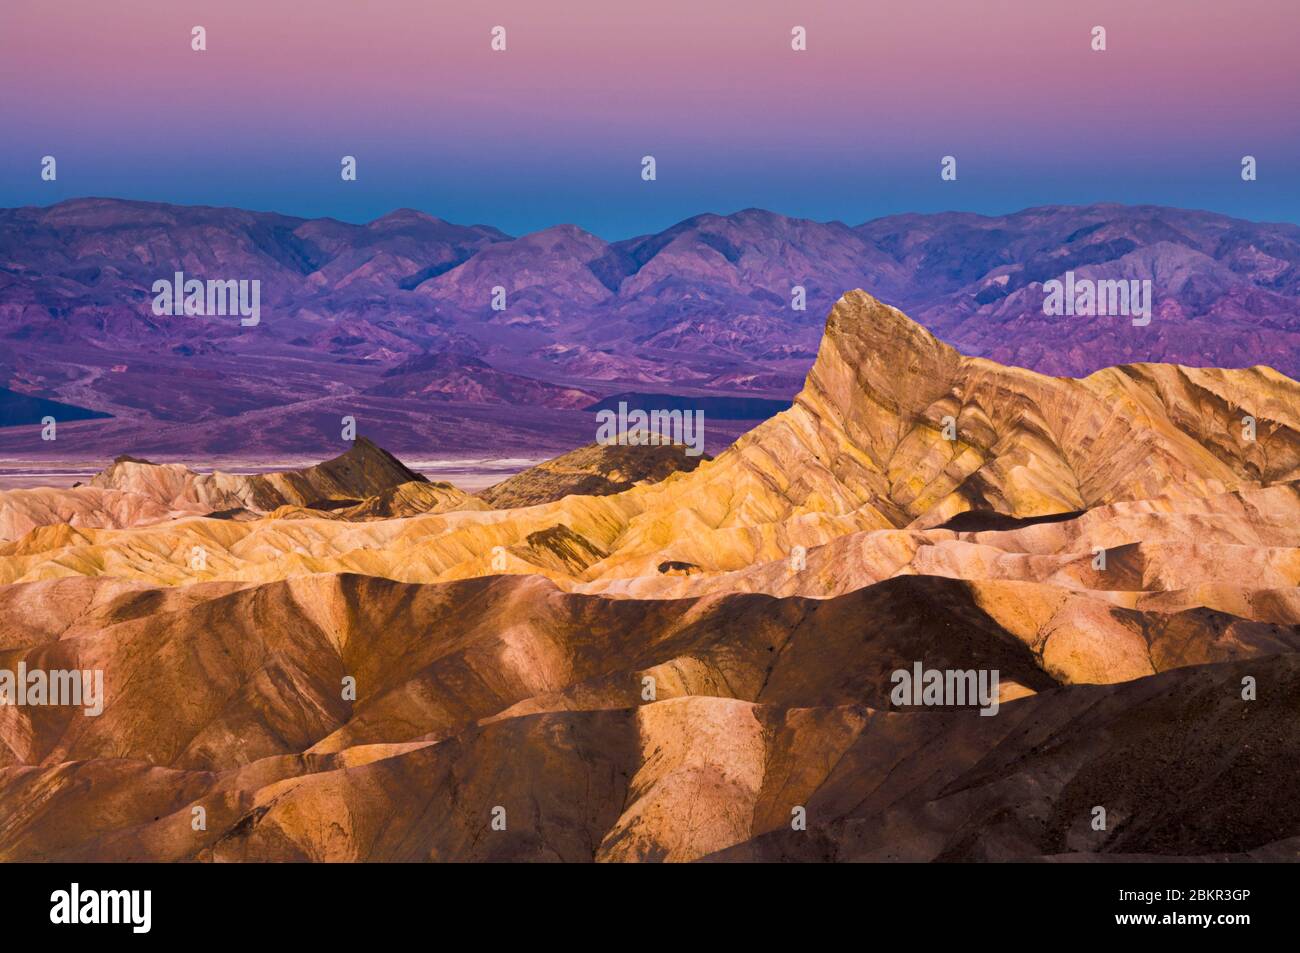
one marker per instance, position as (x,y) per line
(445,340)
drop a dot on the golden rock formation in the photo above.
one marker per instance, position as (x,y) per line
(364,666)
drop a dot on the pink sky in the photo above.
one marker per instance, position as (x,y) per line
(1012,86)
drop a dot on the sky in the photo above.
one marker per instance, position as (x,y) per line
(554,128)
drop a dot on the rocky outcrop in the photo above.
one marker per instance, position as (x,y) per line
(594,470)
(135,492)
(623,729)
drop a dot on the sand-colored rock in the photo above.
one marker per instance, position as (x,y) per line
(132,492)
(861,449)
(686,669)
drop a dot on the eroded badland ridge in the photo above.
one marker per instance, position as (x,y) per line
(676,670)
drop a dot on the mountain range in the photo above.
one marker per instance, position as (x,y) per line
(392,322)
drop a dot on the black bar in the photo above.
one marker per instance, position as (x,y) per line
(393,903)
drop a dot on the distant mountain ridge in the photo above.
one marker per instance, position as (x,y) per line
(701,308)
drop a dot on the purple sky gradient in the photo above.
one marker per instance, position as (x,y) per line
(553,129)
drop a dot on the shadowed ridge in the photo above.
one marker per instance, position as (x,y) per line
(593,470)
(362,471)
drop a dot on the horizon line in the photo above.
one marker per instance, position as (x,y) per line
(749,208)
